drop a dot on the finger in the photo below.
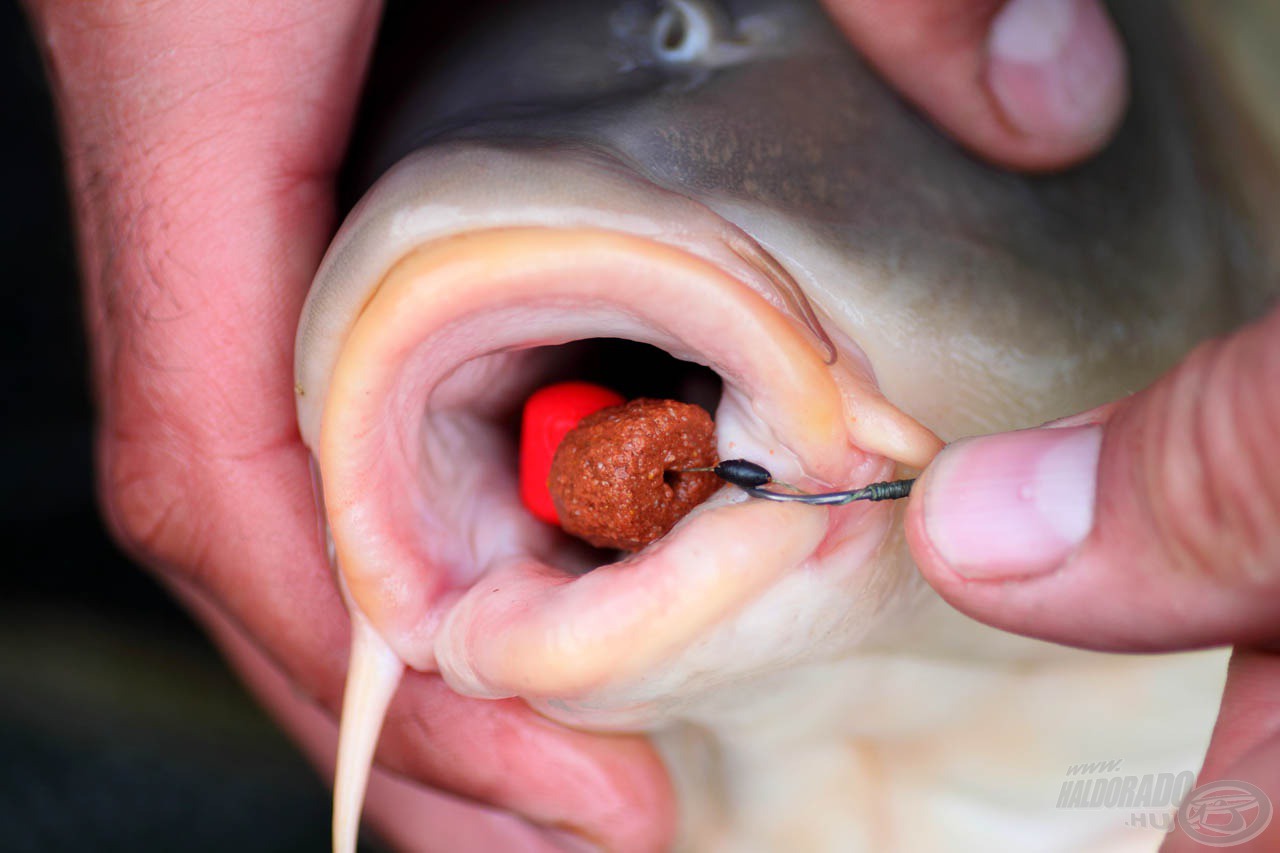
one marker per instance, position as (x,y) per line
(407,812)
(202,203)
(1158,527)
(1030,84)
(202,191)
(1246,742)
(262,568)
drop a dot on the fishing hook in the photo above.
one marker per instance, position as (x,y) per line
(752,478)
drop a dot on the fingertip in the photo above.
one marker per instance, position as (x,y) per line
(1057,73)
(1034,85)
(926,556)
(1009,506)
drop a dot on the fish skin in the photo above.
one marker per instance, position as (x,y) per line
(984,300)
(1022,298)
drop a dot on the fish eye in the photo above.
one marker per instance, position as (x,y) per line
(682,32)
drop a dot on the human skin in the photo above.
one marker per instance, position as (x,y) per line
(1176,492)
(202,143)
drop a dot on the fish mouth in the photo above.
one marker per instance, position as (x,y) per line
(467,277)
(417,458)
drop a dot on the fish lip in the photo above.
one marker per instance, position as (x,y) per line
(519,270)
(403,568)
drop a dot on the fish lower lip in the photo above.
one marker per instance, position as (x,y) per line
(434,547)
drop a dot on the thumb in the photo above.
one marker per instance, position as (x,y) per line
(1152,523)
(1032,84)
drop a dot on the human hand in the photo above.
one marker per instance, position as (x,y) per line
(1150,524)
(201,145)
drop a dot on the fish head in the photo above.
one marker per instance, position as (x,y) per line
(728,188)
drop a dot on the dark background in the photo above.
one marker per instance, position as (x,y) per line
(120,729)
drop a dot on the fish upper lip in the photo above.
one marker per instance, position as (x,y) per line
(418,202)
